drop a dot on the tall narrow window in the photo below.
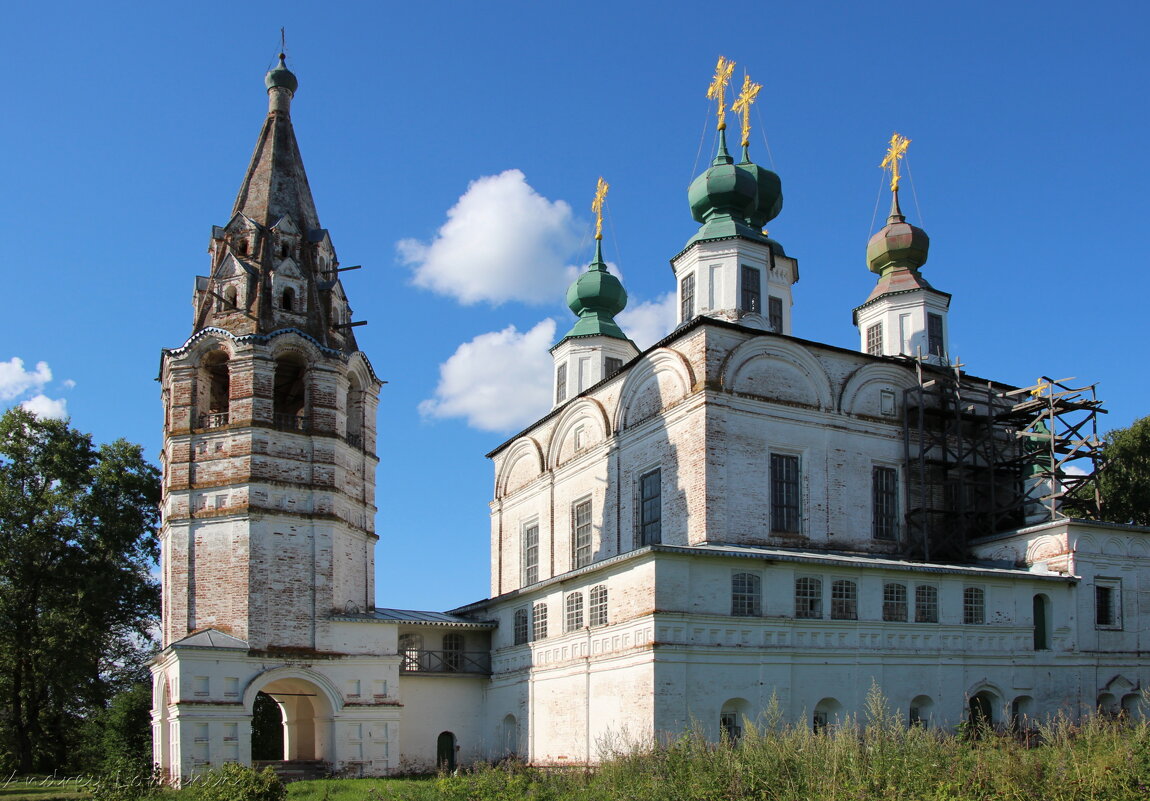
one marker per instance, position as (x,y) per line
(844,600)
(539,621)
(687,298)
(650,508)
(934,344)
(746,595)
(884,503)
(288,303)
(520,626)
(289,401)
(531,553)
(561,383)
(598,611)
(611,365)
(775,313)
(411,651)
(894,603)
(215,392)
(925,604)
(808,598)
(874,339)
(752,293)
(453,652)
(1107,604)
(574,611)
(785,502)
(973,605)
(230,297)
(581,528)
(1041,623)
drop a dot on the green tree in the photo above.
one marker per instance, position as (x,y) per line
(77,594)
(1124,480)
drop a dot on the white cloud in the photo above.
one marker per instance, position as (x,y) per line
(16,381)
(68,384)
(499,381)
(648,322)
(502,241)
(43,406)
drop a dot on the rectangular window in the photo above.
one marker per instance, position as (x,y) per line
(775,313)
(934,343)
(650,507)
(884,503)
(925,604)
(561,383)
(746,595)
(973,606)
(531,553)
(874,340)
(894,603)
(574,611)
(539,622)
(785,503)
(844,600)
(612,365)
(752,292)
(1107,605)
(687,298)
(808,598)
(729,726)
(598,610)
(581,529)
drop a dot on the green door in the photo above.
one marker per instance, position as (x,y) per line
(445,752)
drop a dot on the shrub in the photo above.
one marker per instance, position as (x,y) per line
(235,782)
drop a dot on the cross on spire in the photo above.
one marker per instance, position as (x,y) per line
(742,105)
(896,151)
(718,88)
(597,205)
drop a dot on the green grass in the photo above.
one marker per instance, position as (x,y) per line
(39,789)
(364,790)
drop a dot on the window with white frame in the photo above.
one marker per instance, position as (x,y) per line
(650,507)
(581,533)
(746,595)
(894,603)
(574,620)
(808,598)
(884,503)
(687,298)
(844,600)
(531,552)
(786,504)
(539,621)
(926,603)
(1107,603)
(520,626)
(561,383)
(874,339)
(973,605)
(598,611)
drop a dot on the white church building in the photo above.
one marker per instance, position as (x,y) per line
(731,516)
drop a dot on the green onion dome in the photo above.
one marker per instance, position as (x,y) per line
(723,189)
(768,193)
(281,77)
(899,245)
(596,297)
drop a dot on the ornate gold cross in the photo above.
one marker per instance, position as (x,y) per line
(895,152)
(718,88)
(742,106)
(597,205)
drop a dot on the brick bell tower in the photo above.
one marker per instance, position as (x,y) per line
(269,423)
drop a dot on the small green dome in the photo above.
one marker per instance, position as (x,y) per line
(898,245)
(768,193)
(597,291)
(723,188)
(282,77)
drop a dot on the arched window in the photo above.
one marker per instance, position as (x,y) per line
(1041,623)
(215,390)
(731,719)
(289,401)
(520,626)
(746,595)
(230,298)
(920,710)
(288,299)
(574,620)
(242,246)
(453,652)
(354,408)
(411,652)
(539,621)
(1132,706)
(283,250)
(1108,705)
(826,714)
(598,611)
(510,736)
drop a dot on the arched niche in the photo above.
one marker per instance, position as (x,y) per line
(308,704)
(777,370)
(522,465)
(1114,546)
(920,711)
(582,424)
(654,382)
(1044,547)
(828,713)
(876,390)
(732,717)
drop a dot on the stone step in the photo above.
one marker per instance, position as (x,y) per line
(295,770)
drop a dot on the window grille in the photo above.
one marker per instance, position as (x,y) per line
(650,508)
(531,554)
(453,652)
(575,611)
(561,383)
(925,604)
(520,626)
(1104,607)
(785,503)
(808,598)
(874,340)
(729,726)
(687,298)
(884,503)
(539,621)
(934,344)
(844,600)
(746,595)
(894,603)
(775,313)
(752,292)
(598,611)
(581,542)
(973,605)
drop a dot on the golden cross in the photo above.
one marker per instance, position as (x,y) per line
(597,205)
(717,89)
(894,153)
(742,106)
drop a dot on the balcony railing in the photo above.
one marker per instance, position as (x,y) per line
(214,420)
(445,662)
(291,422)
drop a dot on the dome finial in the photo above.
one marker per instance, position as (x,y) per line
(718,88)
(280,77)
(895,152)
(742,107)
(597,206)
(899,246)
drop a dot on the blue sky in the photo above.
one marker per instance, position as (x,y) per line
(127,129)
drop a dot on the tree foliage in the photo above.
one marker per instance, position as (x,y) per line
(77,595)
(1125,476)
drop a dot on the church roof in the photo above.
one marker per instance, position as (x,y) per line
(418,616)
(211,638)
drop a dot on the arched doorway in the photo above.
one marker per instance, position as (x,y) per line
(267,729)
(826,714)
(920,711)
(981,710)
(510,737)
(445,751)
(305,712)
(731,717)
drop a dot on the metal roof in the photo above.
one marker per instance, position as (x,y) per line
(416,616)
